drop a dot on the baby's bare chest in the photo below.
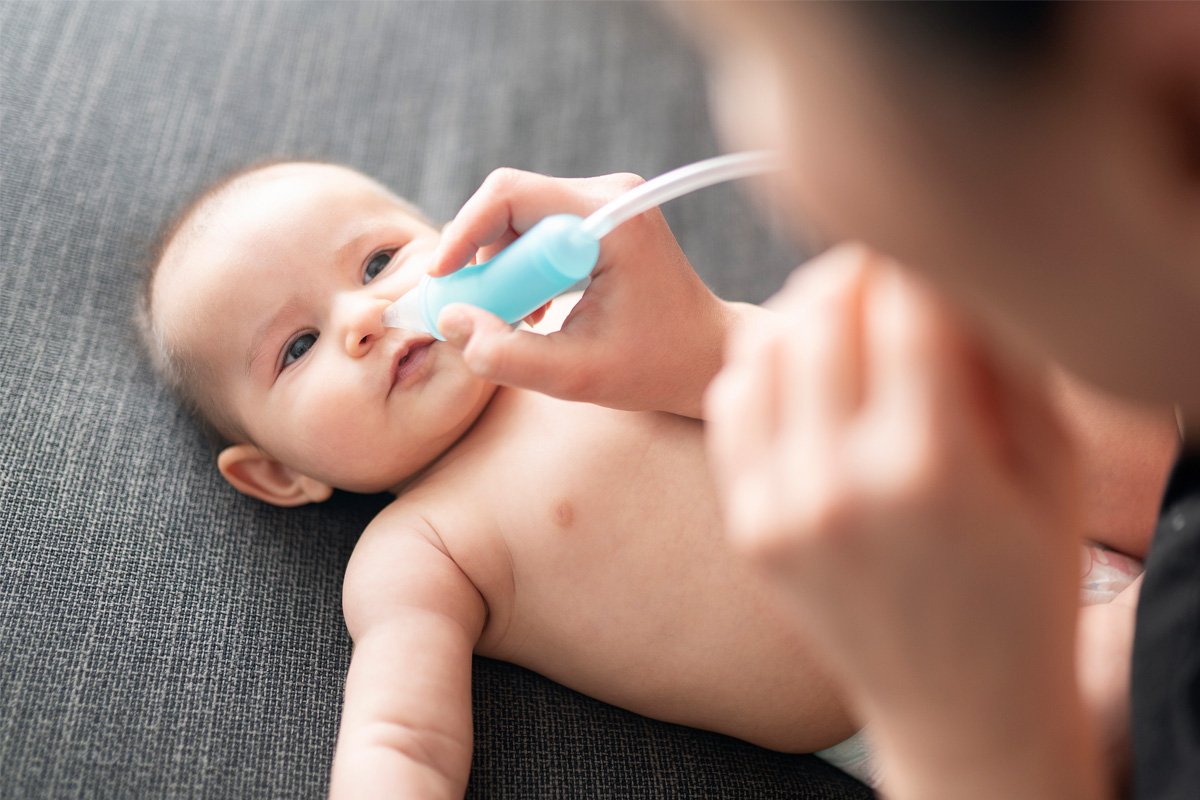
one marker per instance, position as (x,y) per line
(599,482)
(596,541)
(584,506)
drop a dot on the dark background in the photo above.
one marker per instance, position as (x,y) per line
(160,635)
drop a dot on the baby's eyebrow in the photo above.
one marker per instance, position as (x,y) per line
(352,244)
(289,307)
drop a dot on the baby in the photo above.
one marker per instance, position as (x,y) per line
(580,542)
(577,541)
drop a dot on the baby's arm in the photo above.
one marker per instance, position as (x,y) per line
(415,618)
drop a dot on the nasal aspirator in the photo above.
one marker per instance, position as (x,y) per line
(558,252)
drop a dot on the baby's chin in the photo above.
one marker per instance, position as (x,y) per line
(393,483)
(369,474)
(390,478)
(364,471)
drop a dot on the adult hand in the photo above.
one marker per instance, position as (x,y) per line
(647,333)
(913,492)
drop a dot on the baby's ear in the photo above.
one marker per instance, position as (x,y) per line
(253,472)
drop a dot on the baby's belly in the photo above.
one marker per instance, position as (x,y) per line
(624,589)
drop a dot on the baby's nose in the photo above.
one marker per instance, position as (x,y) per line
(364,325)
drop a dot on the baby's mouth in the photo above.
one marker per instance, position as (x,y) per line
(410,362)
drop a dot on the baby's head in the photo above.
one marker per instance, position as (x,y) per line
(263,312)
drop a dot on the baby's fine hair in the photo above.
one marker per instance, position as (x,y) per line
(190,381)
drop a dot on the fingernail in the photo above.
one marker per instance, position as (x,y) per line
(457,329)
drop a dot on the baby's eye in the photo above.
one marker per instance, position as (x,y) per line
(375,266)
(299,347)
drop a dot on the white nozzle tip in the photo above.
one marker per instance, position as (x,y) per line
(405,313)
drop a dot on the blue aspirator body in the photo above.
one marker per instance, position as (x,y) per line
(544,262)
(557,253)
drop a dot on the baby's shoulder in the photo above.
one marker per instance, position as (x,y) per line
(432,518)
(397,532)
(401,562)
(399,518)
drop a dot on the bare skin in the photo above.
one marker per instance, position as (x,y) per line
(582,542)
(600,563)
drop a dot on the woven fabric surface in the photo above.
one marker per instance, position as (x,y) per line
(160,635)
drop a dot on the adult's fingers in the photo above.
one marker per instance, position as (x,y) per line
(977,403)
(741,406)
(918,398)
(743,402)
(825,313)
(482,220)
(512,201)
(537,315)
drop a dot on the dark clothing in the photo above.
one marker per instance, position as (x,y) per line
(1166,648)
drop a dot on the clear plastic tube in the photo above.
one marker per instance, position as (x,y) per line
(676,183)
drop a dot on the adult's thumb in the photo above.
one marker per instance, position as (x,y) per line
(493,350)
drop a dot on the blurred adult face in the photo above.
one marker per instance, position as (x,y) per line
(1061,203)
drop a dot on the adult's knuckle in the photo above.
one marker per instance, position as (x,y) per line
(760,537)
(627,180)
(782,546)
(921,469)
(503,178)
(722,398)
(829,514)
(779,528)
(608,187)
(574,382)
(853,254)
(484,357)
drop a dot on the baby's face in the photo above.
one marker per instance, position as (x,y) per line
(280,295)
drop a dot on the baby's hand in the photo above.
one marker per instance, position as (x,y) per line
(647,334)
(915,496)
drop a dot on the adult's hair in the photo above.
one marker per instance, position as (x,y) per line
(986,38)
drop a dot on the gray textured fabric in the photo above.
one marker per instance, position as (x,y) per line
(161,636)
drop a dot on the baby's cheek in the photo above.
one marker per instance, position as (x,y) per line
(453,394)
(361,441)
(330,424)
